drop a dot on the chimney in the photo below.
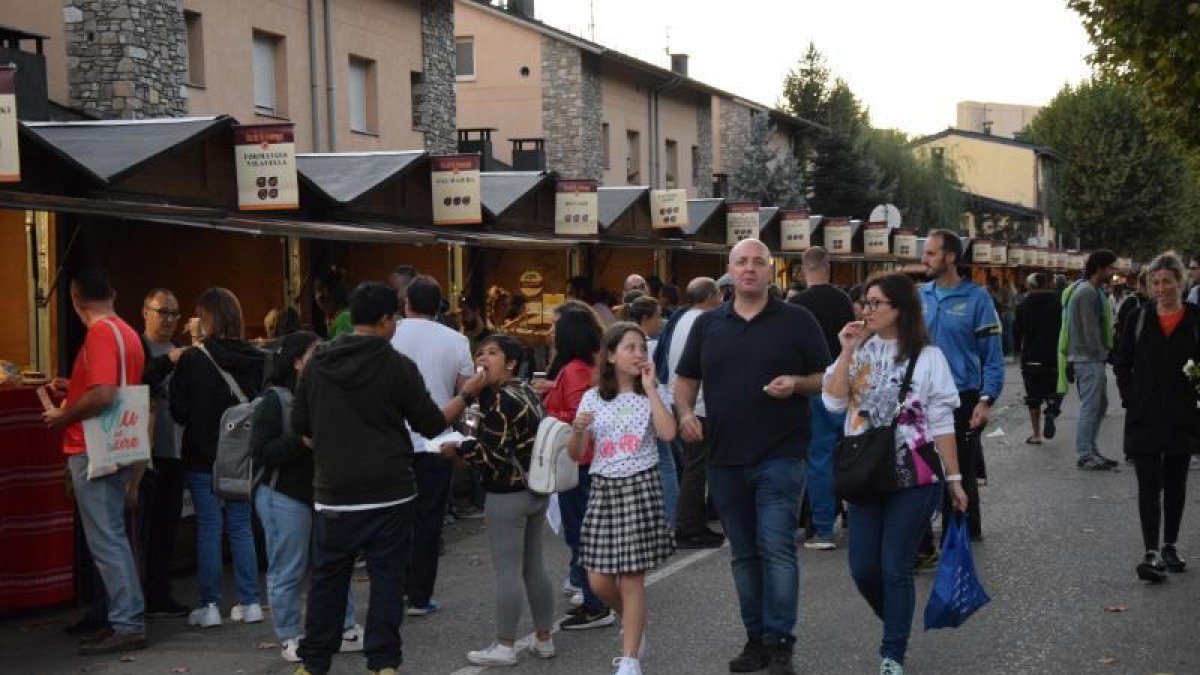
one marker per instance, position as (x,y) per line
(33,101)
(679,64)
(521,8)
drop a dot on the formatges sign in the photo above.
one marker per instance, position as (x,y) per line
(10,156)
(876,239)
(668,208)
(576,208)
(904,244)
(456,191)
(999,253)
(839,235)
(795,230)
(983,252)
(265,155)
(741,221)
(1016,256)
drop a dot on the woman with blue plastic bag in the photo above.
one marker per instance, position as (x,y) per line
(866,381)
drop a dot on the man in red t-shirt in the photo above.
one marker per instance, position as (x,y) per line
(93,386)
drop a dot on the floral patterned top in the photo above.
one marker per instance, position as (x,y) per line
(928,411)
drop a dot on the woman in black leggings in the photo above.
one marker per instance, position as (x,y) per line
(1161,420)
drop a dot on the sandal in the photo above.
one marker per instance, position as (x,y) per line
(1033,440)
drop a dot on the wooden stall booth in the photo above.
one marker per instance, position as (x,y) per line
(707,252)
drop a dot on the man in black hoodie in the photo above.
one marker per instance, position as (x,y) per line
(1039,318)
(351,407)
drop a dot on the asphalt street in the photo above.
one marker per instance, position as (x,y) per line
(1058,560)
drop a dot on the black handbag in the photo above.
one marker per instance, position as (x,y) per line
(865,465)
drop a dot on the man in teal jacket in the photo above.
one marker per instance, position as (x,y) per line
(963,323)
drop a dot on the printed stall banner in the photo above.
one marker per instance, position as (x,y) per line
(456,191)
(265,155)
(999,253)
(576,208)
(795,230)
(10,157)
(904,244)
(741,221)
(1016,256)
(839,235)
(982,252)
(876,239)
(668,208)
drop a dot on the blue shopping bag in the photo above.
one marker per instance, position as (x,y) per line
(957,593)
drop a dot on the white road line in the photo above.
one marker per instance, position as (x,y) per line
(652,578)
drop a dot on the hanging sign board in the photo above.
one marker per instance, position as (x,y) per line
(1076,260)
(741,221)
(668,209)
(876,239)
(265,155)
(456,191)
(795,230)
(576,208)
(838,236)
(982,252)
(1061,260)
(10,157)
(1016,256)
(904,244)
(999,253)
(1041,257)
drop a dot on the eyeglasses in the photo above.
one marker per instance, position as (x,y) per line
(1194,267)
(164,313)
(872,303)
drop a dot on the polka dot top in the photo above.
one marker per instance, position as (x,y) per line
(623,431)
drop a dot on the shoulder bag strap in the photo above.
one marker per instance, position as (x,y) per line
(233,385)
(120,347)
(905,387)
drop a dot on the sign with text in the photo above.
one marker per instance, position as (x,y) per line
(1076,260)
(839,235)
(265,155)
(1041,257)
(982,252)
(456,191)
(1016,256)
(904,244)
(741,221)
(876,239)
(999,253)
(1060,260)
(576,208)
(10,156)
(668,208)
(795,230)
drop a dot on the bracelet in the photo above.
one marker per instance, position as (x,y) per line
(954,478)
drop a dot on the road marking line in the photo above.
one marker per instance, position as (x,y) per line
(652,578)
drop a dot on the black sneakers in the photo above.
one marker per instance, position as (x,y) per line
(1048,429)
(1172,559)
(705,538)
(779,659)
(753,657)
(1095,463)
(582,618)
(1152,568)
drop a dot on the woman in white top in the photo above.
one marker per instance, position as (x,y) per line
(865,382)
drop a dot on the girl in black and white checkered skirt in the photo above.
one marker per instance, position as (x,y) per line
(625,530)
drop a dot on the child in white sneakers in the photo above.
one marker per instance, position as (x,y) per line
(625,530)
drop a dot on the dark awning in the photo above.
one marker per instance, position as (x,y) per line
(700,211)
(766,214)
(109,150)
(501,190)
(615,201)
(343,177)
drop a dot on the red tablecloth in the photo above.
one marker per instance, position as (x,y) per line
(37,544)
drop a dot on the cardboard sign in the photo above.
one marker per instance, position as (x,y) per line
(741,221)
(456,191)
(576,208)
(839,236)
(1016,256)
(10,156)
(904,244)
(795,230)
(982,252)
(876,239)
(668,208)
(265,155)
(999,253)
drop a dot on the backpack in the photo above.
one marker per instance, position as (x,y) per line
(234,475)
(551,468)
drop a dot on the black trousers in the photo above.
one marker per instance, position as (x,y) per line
(434,475)
(693,514)
(385,538)
(970,462)
(161,502)
(1162,493)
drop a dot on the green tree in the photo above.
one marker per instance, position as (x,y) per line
(770,177)
(1122,184)
(806,95)
(844,181)
(923,187)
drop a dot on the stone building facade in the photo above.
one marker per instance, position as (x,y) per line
(735,130)
(438,109)
(571,110)
(704,152)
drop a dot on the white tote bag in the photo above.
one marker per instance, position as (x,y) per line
(120,434)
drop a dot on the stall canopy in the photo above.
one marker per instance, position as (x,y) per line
(502,190)
(614,202)
(700,212)
(343,177)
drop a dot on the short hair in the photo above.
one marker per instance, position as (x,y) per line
(642,308)
(670,293)
(815,259)
(1169,262)
(1038,280)
(951,243)
(405,271)
(1098,260)
(513,350)
(93,286)
(372,302)
(700,290)
(221,313)
(154,292)
(290,347)
(424,295)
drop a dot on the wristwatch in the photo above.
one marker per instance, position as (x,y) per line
(985,399)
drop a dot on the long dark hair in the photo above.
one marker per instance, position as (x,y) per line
(577,335)
(221,313)
(901,292)
(292,346)
(606,374)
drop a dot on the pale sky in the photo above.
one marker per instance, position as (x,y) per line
(910,61)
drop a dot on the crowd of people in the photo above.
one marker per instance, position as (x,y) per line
(728,399)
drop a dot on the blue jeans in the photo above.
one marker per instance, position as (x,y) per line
(101,505)
(759,506)
(826,430)
(883,540)
(1092,379)
(670,481)
(572,505)
(287,527)
(209,509)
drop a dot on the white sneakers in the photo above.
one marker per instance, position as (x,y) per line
(251,613)
(627,666)
(208,616)
(542,650)
(496,655)
(352,641)
(288,653)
